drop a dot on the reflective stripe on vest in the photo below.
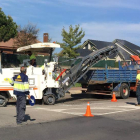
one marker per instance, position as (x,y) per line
(21,86)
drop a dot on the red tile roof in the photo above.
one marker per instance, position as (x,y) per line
(8,46)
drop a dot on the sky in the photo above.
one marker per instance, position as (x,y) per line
(104,20)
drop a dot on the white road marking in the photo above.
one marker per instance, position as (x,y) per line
(110,108)
(118,111)
(55,110)
(78,105)
(76,114)
(81,114)
(98,114)
(131,106)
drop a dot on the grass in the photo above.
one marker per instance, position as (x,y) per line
(77,85)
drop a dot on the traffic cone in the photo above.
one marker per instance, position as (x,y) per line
(88,111)
(114,97)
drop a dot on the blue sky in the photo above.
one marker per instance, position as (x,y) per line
(103,20)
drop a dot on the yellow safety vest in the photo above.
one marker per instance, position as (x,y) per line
(138,77)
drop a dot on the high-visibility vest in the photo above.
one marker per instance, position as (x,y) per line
(21,85)
(138,77)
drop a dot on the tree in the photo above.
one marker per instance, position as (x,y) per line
(8,28)
(26,36)
(70,41)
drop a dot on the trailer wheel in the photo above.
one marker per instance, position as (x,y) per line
(124,91)
(3,101)
(49,99)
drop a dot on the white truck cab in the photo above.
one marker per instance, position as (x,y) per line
(39,82)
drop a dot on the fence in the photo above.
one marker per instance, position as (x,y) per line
(13,60)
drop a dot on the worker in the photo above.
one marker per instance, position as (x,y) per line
(137,87)
(21,90)
(32,58)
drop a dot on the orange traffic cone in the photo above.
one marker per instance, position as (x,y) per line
(88,111)
(114,98)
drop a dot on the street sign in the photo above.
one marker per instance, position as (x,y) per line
(32,100)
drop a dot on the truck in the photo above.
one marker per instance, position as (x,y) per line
(42,85)
(121,80)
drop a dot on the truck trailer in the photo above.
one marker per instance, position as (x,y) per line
(121,80)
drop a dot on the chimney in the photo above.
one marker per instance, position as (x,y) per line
(45,37)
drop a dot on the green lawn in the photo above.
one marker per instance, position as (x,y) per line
(77,85)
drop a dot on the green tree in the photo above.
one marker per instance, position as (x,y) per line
(8,28)
(71,40)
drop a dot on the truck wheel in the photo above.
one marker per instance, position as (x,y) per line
(124,91)
(3,101)
(49,99)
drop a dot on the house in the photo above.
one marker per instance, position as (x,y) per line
(94,45)
(126,48)
(9,48)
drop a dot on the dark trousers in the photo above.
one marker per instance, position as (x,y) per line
(21,108)
(138,94)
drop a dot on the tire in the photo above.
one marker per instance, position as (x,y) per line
(124,91)
(3,101)
(49,99)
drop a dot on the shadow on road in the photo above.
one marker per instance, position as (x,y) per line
(81,96)
(90,97)
(130,103)
(27,117)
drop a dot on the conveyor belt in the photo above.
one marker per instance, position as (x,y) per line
(78,70)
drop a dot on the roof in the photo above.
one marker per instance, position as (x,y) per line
(132,48)
(9,43)
(127,48)
(83,52)
(101,44)
(10,46)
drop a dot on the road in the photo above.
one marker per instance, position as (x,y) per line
(65,120)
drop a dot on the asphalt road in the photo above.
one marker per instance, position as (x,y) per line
(65,120)
(77,128)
